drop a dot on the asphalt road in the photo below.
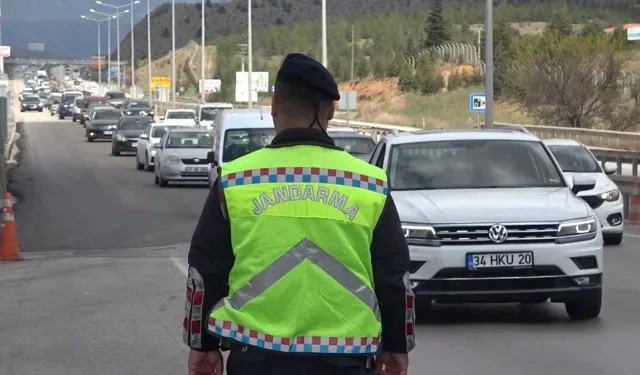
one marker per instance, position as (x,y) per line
(74,196)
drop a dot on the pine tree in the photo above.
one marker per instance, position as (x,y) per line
(435,27)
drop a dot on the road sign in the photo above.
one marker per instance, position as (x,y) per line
(633,33)
(348,100)
(477,102)
(164,82)
(260,80)
(242,87)
(210,85)
(5,51)
(35,46)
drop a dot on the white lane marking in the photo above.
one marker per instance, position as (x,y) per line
(184,268)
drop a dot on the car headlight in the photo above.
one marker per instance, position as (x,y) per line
(420,235)
(610,196)
(121,138)
(171,159)
(111,127)
(153,152)
(577,230)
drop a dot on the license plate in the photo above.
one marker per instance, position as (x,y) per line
(196,169)
(522,259)
(108,133)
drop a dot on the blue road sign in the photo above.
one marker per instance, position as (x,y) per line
(477,102)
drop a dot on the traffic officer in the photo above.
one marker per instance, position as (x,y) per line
(298,263)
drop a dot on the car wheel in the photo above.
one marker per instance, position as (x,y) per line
(40,110)
(22,110)
(73,118)
(114,151)
(139,166)
(147,167)
(162,182)
(61,117)
(89,139)
(612,239)
(156,180)
(585,307)
(51,113)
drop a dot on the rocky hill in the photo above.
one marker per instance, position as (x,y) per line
(226,18)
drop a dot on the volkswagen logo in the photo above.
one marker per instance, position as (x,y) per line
(498,233)
(196,160)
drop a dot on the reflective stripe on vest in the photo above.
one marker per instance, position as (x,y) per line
(304,250)
(304,175)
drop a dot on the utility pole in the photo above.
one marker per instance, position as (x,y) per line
(250,48)
(353,49)
(488,74)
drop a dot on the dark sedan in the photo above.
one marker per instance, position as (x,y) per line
(128,130)
(102,124)
(31,103)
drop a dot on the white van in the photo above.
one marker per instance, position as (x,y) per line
(237,133)
(207,113)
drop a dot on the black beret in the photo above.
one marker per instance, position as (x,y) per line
(304,70)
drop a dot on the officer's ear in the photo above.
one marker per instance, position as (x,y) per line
(274,106)
(331,110)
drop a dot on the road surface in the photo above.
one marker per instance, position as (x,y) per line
(102,288)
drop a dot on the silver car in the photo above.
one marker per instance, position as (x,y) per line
(181,156)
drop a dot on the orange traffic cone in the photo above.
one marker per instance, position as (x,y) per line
(9,242)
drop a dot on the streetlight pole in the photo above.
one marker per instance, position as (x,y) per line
(250,49)
(133,57)
(117,8)
(488,59)
(174,84)
(149,49)
(114,15)
(324,33)
(99,22)
(203,58)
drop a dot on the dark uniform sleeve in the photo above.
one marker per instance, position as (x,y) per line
(210,261)
(391,265)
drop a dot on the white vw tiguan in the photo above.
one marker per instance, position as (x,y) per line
(489,217)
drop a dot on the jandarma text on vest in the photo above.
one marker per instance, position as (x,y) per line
(296,192)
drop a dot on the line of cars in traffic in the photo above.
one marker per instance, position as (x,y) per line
(489,215)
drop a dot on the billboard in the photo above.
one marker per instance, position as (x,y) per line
(98,61)
(161,82)
(5,51)
(633,33)
(35,46)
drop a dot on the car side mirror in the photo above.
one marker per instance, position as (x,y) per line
(610,168)
(582,184)
(211,157)
(144,136)
(157,145)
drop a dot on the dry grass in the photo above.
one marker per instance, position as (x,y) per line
(162,66)
(381,101)
(525,28)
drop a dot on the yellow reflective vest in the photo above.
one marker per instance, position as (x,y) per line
(302,221)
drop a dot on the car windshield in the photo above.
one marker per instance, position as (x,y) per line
(69,99)
(134,123)
(240,142)
(182,115)
(208,114)
(114,95)
(158,131)
(106,115)
(574,158)
(31,99)
(138,105)
(189,140)
(355,145)
(472,164)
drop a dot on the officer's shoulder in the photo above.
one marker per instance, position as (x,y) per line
(365,165)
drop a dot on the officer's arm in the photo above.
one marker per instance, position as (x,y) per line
(210,261)
(390,259)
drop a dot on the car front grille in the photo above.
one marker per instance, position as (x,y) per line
(593,200)
(478,234)
(194,161)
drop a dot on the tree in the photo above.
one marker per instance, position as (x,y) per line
(208,3)
(570,81)
(436,26)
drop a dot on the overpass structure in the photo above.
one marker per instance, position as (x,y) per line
(19,61)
